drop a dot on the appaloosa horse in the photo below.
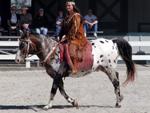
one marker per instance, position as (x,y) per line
(104,53)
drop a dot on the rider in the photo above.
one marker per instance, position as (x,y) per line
(72,36)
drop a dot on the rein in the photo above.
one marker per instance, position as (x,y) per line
(53,50)
(50,54)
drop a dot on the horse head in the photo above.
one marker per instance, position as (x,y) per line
(28,44)
(32,44)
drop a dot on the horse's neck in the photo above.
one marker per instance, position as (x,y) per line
(47,45)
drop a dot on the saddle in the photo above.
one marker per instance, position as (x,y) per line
(83,56)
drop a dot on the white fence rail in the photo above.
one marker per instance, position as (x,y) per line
(9,43)
(140,44)
(13,44)
(10,56)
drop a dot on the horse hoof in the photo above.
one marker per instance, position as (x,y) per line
(117,105)
(75,104)
(47,107)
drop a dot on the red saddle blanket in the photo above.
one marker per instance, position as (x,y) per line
(87,59)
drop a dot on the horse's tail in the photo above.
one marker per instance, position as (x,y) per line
(125,51)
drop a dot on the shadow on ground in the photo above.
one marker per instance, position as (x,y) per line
(35,107)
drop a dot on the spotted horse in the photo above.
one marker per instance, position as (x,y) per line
(105,54)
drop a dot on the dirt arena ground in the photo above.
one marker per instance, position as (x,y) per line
(27,91)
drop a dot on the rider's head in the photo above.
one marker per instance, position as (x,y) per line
(71,7)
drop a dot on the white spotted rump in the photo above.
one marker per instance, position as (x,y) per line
(104,52)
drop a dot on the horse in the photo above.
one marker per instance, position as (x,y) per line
(105,56)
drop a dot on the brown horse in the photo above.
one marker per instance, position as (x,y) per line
(105,53)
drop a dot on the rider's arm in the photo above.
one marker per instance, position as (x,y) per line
(76,21)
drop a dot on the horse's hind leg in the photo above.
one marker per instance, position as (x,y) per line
(62,91)
(114,78)
(53,93)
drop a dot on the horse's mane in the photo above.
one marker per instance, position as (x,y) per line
(44,37)
(49,41)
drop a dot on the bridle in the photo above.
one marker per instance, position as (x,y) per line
(27,49)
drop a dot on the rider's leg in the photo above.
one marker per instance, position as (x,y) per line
(71,55)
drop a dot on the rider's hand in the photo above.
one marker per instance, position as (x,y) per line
(63,38)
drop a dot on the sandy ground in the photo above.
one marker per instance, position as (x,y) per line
(27,92)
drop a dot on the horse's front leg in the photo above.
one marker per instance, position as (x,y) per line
(61,72)
(54,88)
(62,91)
(52,95)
